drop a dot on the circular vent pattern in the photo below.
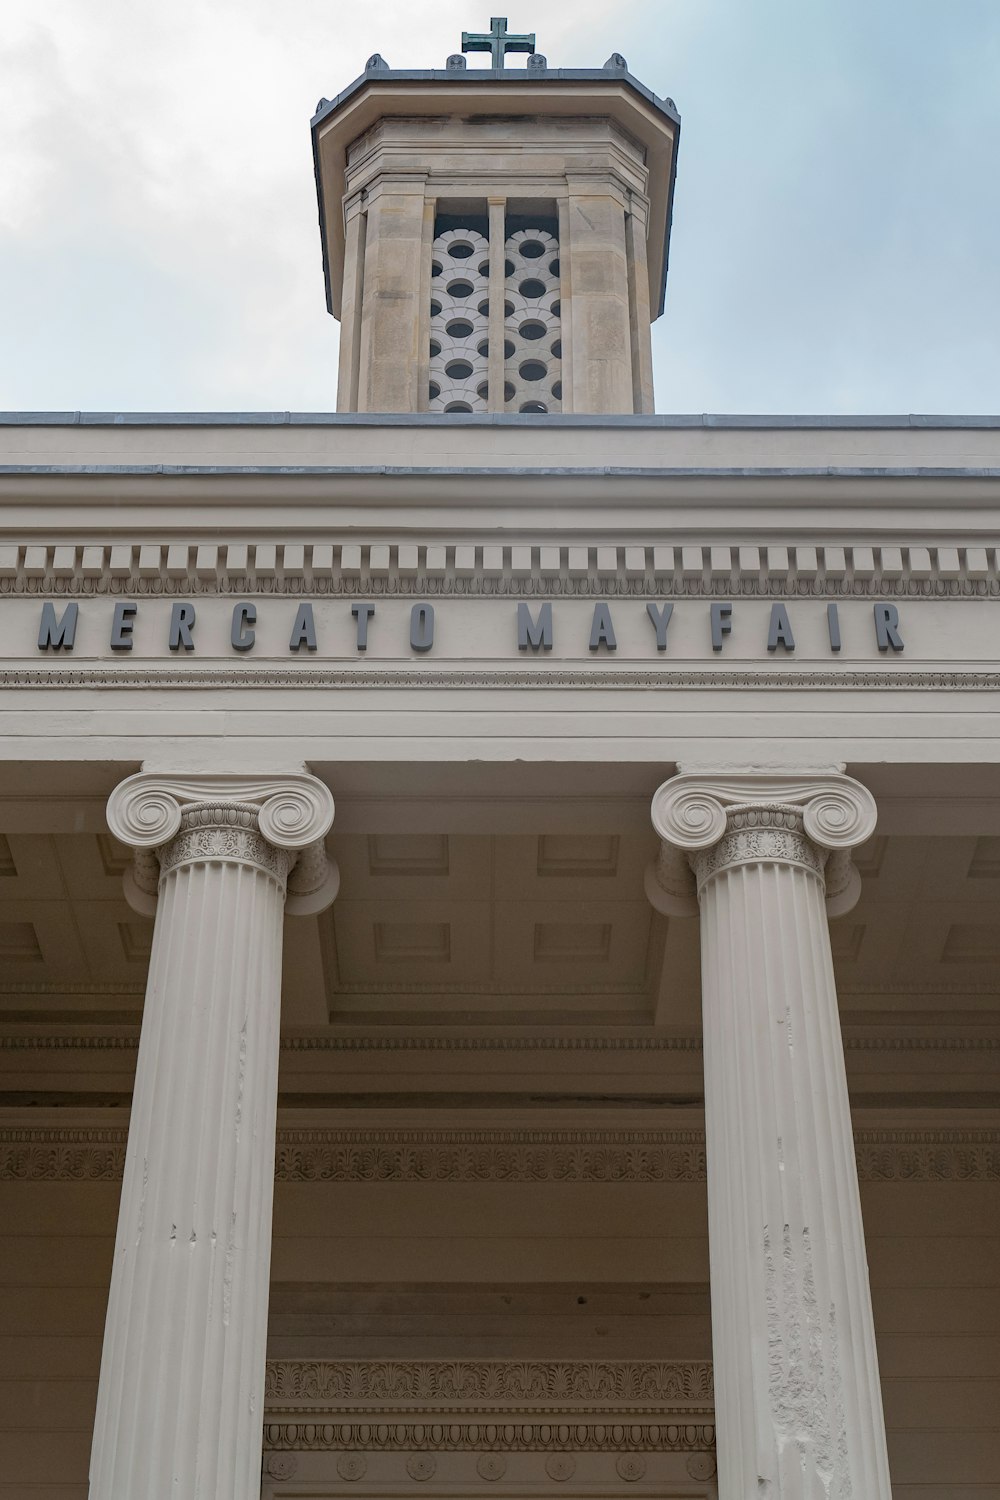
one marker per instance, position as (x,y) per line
(459,324)
(532,332)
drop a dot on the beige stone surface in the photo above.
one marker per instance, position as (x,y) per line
(392,302)
(630,448)
(484,168)
(447,117)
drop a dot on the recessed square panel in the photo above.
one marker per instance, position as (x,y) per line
(578,854)
(580,941)
(115,857)
(91,865)
(19,942)
(868,857)
(570,867)
(572,944)
(985,862)
(29,868)
(137,941)
(972,943)
(408,854)
(845,940)
(399,942)
(419,866)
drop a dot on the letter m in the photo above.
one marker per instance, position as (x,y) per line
(56,634)
(534,634)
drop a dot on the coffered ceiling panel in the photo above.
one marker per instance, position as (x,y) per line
(414,866)
(40,939)
(521,928)
(416,942)
(595,944)
(565,867)
(519,923)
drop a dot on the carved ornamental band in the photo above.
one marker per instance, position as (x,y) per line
(227,831)
(756,833)
(275,824)
(710,823)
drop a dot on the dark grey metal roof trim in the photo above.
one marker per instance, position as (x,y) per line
(662,422)
(608,471)
(472,76)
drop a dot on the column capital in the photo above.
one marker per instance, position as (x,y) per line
(708,820)
(167,818)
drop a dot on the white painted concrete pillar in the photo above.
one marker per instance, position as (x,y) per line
(180,1403)
(798,1401)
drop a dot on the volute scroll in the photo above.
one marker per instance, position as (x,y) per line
(291,812)
(694,811)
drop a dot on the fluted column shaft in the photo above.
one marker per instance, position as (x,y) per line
(798,1401)
(180,1403)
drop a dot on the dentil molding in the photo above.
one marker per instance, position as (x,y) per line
(691,568)
(307,1434)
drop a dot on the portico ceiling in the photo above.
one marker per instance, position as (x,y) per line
(520,933)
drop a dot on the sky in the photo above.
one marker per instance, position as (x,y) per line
(836,239)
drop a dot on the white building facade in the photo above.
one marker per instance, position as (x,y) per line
(534,1015)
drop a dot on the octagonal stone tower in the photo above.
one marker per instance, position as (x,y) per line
(495,240)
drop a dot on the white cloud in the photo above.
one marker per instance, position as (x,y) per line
(833,235)
(155,156)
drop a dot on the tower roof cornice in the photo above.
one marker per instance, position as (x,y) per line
(381,92)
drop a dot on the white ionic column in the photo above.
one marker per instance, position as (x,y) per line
(797,1396)
(180,1402)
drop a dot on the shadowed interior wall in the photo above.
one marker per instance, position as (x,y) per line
(459,1249)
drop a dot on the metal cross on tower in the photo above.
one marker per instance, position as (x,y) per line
(497,41)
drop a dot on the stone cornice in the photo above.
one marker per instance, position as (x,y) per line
(97,1154)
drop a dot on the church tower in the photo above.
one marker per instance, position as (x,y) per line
(495,239)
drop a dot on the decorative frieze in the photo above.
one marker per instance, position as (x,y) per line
(62,1155)
(494,1383)
(491,1156)
(42,1154)
(491,1407)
